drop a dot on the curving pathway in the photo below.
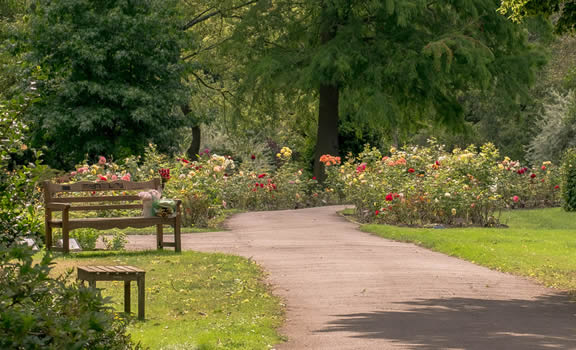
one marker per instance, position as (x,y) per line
(346,289)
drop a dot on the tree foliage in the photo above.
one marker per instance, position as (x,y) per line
(564,10)
(110,76)
(569,180)
(399,63)
(556,128)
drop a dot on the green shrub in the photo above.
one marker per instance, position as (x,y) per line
(86,237)
(38,311)
(569,180)
(116,242)
(18,195)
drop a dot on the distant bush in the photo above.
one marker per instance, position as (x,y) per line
(38,311)
(569,180)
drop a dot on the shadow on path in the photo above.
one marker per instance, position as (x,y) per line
(548,322)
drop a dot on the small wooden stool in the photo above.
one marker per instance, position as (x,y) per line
(117,273)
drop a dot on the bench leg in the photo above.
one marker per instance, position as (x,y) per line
(48,228)
(48,237)
(65,233)
(159,236)
(127,297)
(141,298)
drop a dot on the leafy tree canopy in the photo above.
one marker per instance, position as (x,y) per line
(565,10)
(110,76)
(390,62)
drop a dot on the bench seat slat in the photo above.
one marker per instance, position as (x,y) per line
(109,223)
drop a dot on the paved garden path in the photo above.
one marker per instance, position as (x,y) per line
(345,289)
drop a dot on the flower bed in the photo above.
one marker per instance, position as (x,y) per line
(216,182)
(428,185)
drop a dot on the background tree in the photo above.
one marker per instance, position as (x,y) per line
(400,63)
(563,10)
(110,79)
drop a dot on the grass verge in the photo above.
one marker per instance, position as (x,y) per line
(193,300)
(540,244)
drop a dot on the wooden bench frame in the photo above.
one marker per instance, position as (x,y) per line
(64,205)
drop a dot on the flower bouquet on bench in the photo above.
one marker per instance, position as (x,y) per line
(154,205)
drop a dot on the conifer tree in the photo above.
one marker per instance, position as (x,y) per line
(396,62)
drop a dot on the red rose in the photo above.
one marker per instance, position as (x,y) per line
(313,177)
(543,167)
(556,187)
(377,212)
(253,157)
(262,185)
(411,170)
(389,197)
(532,175)
(438,163)
(261,176)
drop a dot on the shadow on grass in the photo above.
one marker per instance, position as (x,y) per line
(466,323)
(114,253)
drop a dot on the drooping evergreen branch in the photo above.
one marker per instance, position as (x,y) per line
(204,16)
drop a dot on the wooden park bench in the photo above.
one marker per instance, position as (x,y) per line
(64,204)
(91,274)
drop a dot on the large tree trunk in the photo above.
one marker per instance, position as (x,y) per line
(328,116)
(194,149)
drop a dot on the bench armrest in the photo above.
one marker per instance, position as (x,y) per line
(58,206)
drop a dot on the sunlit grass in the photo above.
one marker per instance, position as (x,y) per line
(193,300)
(539,244)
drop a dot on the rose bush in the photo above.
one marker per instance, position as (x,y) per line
(215,182)
(428,185)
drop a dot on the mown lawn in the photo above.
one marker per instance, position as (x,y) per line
(193,300)
(540,244)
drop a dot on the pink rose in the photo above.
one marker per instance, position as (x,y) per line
(126,177)
(102,160)
(114,177)
(73,173)
(515,198)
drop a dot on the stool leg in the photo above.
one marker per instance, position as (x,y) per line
(141,298)
(177,236)
(127,297)
(159,236)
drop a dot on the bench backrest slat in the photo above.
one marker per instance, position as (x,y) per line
(99,201)
(87,186)
(128,198)
(105,207)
